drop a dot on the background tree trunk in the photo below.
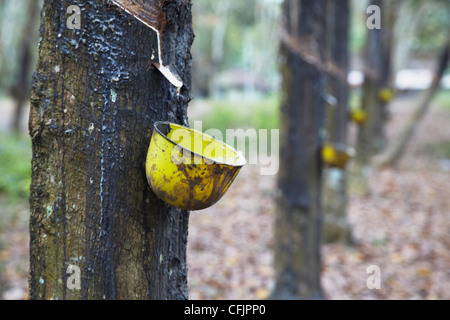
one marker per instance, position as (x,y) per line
(336,226)
(94,99)
(371,136)
(21,89)
(298,223)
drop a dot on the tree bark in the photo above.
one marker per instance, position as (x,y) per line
(95,96)
(392,154)
(298,223)
(336,226)
(371,136)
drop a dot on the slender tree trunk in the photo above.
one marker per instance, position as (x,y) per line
(336,226)
(298,223)
(22,87)
(394,150)
(370,134)
(94,99)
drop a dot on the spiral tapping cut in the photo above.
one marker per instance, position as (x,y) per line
(151,14)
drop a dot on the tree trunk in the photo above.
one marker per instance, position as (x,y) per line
(298,223)
(21,89)
(371,136)
(395,149)
(95,96)
(336,226)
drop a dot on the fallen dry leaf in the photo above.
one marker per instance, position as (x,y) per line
(424,272)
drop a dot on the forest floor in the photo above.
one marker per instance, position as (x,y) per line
(402,226)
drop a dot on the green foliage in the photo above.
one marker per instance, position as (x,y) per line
(442,99)
(358,30)
(15,175)
(234,35)
(355,98)
(434,25)
(227,114)
(230,114)
(432,18)
(15,163)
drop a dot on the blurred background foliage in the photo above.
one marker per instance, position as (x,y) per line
(15,156)
(15,27)
(19,35)
(235,67)
(231,50)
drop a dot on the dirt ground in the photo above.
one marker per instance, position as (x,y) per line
(402,226)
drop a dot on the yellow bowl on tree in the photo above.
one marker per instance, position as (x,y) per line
(359,116)
(337,155)
(386,95)
(189,169)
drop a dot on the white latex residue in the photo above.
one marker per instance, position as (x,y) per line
(173,78)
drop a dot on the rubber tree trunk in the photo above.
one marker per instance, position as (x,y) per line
(95,96)
(371,136)
(298,235)
(336,226)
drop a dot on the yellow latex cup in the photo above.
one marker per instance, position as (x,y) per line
(189,169)
(337,155)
